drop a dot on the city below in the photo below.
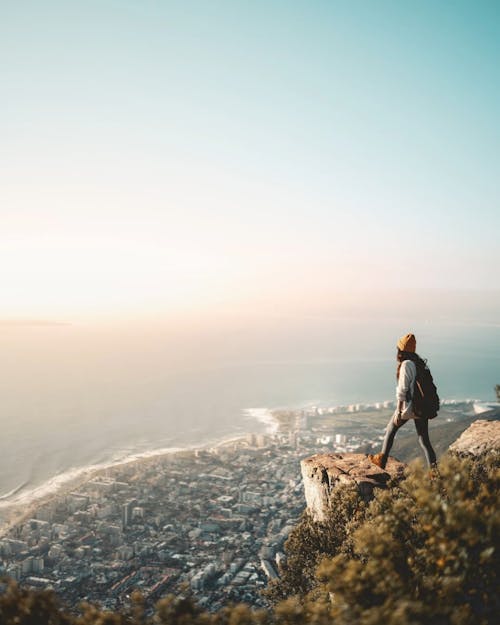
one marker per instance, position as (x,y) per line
(212,520)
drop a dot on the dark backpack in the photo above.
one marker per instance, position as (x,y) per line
(425,397)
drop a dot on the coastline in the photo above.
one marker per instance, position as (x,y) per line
(15,508)
(22,508)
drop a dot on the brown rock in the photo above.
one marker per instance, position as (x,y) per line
(322,473)
(479,438)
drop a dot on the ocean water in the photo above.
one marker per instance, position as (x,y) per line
(76,396)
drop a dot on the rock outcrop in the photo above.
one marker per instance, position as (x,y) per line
(478,439)
(322,473)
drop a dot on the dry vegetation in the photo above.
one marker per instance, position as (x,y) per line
(424,551)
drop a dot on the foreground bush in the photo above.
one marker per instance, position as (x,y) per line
(427,551)
(311,542)
(424,551)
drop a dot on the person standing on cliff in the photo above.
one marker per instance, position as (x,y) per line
(406,376)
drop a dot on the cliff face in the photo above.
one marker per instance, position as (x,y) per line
(322,473)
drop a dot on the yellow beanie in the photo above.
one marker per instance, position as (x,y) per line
(407,343)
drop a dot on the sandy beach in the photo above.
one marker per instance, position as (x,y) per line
(24,506)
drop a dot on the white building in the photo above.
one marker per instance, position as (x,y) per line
(269,569)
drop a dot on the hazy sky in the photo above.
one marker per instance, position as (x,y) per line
(188,156)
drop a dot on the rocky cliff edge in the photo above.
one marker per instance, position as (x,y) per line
(322,473)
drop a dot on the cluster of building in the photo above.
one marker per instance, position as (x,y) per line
(215,520)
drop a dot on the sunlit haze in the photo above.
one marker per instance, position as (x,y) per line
(189,158)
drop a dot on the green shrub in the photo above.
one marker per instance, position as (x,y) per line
(19,606)
(310,542)
(427,551)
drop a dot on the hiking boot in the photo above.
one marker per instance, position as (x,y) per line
(434,473)
(378,459)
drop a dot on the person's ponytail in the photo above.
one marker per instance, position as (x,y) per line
(402,356)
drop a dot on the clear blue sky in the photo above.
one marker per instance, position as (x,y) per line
(175,155)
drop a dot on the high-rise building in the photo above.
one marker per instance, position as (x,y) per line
(127,512)
(27,565)
(301,420)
